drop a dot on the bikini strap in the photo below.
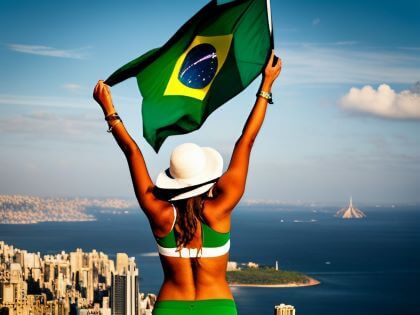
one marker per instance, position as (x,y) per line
(173,224)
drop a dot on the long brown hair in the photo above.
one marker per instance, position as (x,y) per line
(189,212)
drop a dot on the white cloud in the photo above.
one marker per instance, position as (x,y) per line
(49,51)
(82,102)
(347,64)
(316,21)
(410,48)
(151,254)
(46,101)
(72,87)
(383,102)
(346,42)
(49,125)
(48,117)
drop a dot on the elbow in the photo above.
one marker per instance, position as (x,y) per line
(251,143)
(246,141)
(130,149)
(145,199)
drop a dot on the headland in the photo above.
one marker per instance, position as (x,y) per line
(269,277)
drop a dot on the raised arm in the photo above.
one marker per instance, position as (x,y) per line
(143,185)
(231,186)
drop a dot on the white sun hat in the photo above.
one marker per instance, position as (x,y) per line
(191,165)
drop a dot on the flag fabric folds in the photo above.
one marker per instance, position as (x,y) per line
(209,60)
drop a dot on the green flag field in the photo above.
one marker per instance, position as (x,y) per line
(210,59)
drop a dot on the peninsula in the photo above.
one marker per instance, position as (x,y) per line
(268,277)
(18,209)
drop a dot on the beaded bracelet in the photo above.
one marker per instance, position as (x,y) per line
(113,117)
(111,127)
(110,116)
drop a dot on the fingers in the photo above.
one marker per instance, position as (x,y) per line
(278,65)
(102,82)
(270,61)
(101,86)
(97,86)
(95,90)
(274,63)
(99,89)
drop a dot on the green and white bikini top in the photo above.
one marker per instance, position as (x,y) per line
(214,243)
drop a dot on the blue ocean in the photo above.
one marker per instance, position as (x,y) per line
(368,266)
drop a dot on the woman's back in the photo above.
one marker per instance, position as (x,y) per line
(198,270)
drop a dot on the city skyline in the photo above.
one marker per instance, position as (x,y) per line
(75,282)
(345,119)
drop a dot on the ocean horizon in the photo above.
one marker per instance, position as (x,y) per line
(368,266)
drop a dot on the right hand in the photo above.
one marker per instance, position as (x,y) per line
(272,72)
(102,94)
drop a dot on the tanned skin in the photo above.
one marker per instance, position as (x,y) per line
(193,278)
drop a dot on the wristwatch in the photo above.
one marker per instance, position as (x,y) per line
(267,95)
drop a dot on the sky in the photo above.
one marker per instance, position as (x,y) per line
(346,118)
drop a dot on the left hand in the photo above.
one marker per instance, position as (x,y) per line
(102,94)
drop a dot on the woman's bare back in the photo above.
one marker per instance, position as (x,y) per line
(197,278)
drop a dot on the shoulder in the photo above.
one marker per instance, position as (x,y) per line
(162,218)
(220,205)
(216,216)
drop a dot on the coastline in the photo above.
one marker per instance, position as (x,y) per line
(311,282)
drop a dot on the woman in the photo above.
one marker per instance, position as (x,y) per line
(189,208)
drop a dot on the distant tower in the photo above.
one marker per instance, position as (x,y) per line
(277,265)
(284,309)
(350,212)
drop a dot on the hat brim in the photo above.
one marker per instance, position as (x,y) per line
(213,169)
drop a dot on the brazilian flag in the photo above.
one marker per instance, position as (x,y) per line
(209,60)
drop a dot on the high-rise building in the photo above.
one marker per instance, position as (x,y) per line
(118,294)
(146,303)
(284,309)
(15,289)
(122,263)
(125,287)
(32,265)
